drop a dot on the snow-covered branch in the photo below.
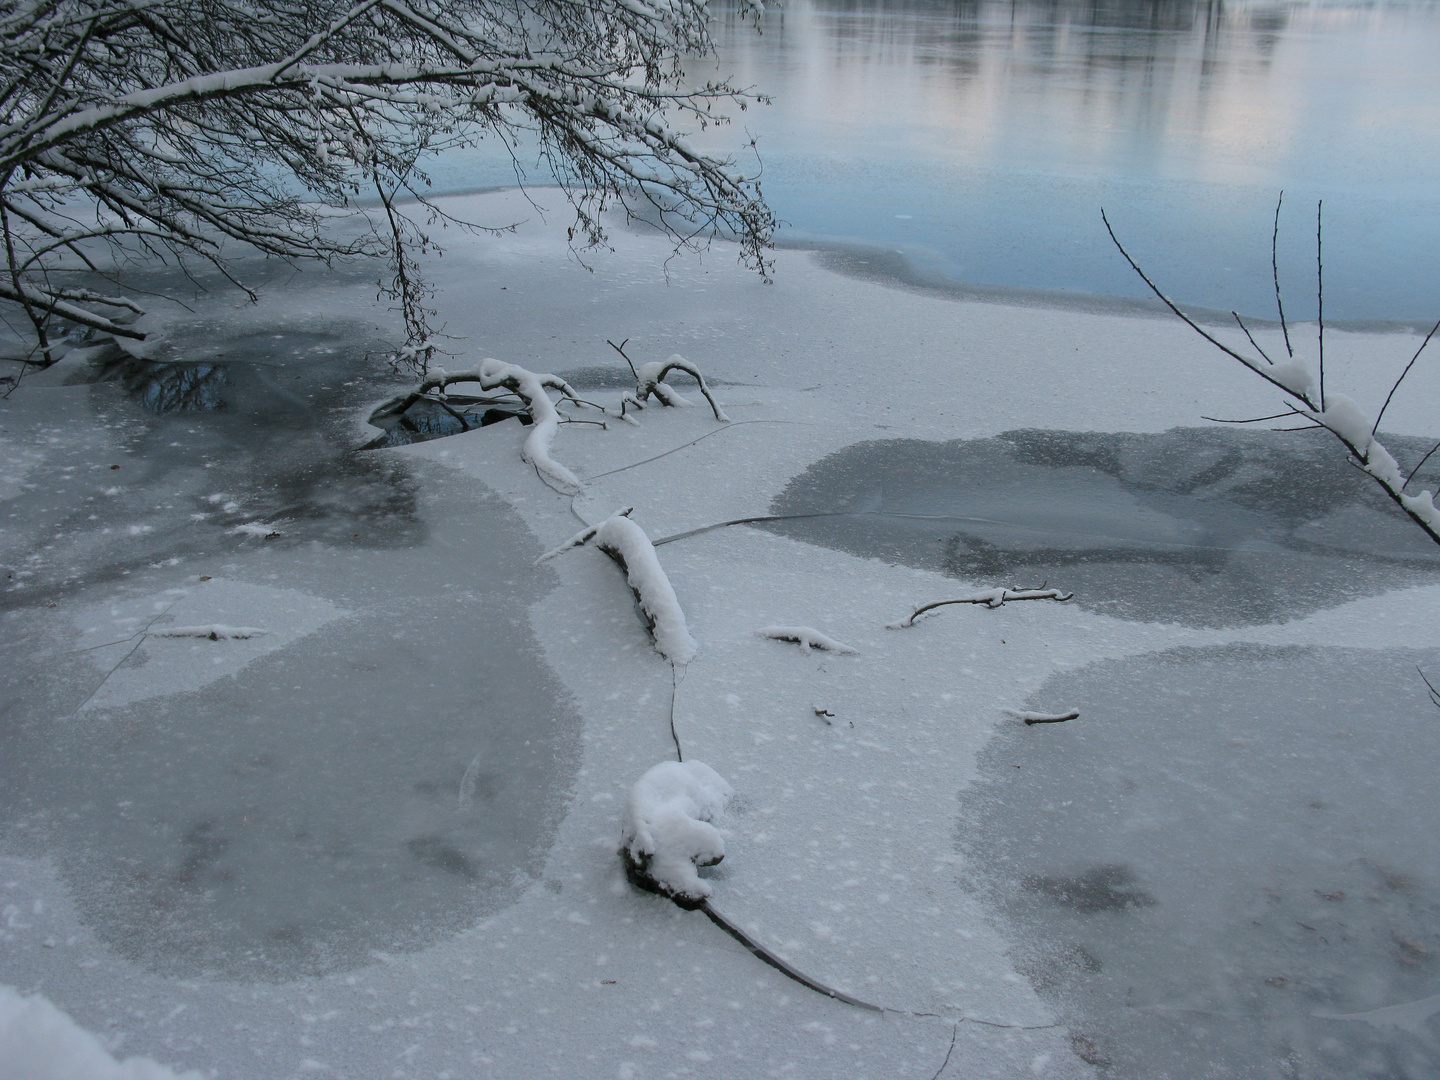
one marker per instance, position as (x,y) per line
(626,543)
(184,123)
(806,637)
(1305,389)
(650,379)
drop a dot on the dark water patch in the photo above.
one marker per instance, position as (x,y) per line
(1204,526)
(1233,849)
(427,418)
(170,387)
(1100,888)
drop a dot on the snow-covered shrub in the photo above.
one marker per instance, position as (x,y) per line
(667,830)
(626,543)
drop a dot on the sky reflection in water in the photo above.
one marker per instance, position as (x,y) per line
(981,139)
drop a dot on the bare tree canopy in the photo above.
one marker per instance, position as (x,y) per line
(179,129)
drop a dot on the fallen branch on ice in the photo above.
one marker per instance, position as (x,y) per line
(626,543)
(650,379)
(211,631)
(1044,718)
(991,598)
(807,637)
(667,829)
(530,388)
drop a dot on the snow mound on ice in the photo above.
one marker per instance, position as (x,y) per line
(667,830)
(40,1042)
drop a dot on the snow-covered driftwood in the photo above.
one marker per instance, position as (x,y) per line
(626,543)
(991,598)
(211,631)
(530,388)
(805,636)
(650,379)
(667,830)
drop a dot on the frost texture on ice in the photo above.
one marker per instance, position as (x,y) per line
(1411,1016)
(627,544)
(806,636)
(40,1042)
(667,831)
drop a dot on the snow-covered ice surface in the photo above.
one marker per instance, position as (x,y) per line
(381,838)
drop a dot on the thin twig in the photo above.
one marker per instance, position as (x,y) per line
(1320,300)
(991,598)
(1261,351)
(1254,420)
(1434,694)
(621,350)
(1251,364)
(1275,270)
(1376,426)
(1415,471)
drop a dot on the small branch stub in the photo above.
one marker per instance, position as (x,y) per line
(1032,718)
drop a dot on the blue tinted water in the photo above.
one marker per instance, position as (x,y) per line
(982,138)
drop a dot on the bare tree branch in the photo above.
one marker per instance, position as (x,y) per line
(164,129)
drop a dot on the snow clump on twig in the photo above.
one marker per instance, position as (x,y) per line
(667,830)
(650,379)
(626,543)
(805,636)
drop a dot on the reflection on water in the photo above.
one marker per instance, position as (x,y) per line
(981,139)
(168,388)
(1204,526)
(1226,863)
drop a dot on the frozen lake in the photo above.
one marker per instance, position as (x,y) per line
(367,826)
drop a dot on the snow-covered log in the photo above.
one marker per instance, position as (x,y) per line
(627,544)
(668,829)
(806,637)
(650,379)
(990,598)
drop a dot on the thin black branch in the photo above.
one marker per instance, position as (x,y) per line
(1415,471)
(1253,420)
(1376,426)
(1275,271)
(1251,338)
(1320,299)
